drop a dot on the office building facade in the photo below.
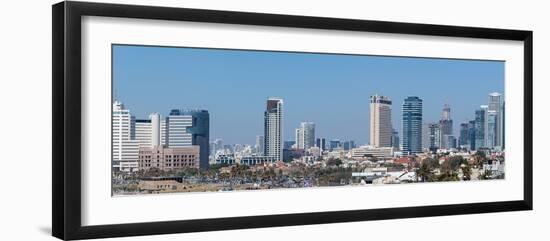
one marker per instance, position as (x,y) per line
(445,126)
(380,121)
(321,143)
(480,127)
(186,128)
(166,159)
(411,136)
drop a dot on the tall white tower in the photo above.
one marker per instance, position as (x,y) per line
(155,129)
(496,106)
(380,121)
(305,135)
(125,147)
(273,128)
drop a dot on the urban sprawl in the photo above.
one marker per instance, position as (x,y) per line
(174,153)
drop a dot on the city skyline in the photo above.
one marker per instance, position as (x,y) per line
(299,106)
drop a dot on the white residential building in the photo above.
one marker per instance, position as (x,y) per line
(124,145)
(305,135)
(273,128)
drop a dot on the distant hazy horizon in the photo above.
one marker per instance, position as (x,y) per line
(331,90)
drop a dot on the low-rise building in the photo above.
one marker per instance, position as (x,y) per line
(226,159)
(367,152)
(255,160)
(172,158)
(161,184)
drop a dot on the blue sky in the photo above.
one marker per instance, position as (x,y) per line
(331,90)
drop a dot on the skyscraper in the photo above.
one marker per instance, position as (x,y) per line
(150,132)
(464,135)
(496,107)
(472,134)
(411,136)
(445,126)
(395,139)
(260,141)
(380,121)
(321,143)
(305,135)
(187,128)
(143,133)
(273,128)
(450,141)
(298,138)
(155,129)
(491,131)
(480,122)
(431,136)
(125,147)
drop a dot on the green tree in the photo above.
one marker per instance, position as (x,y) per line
(479,158)
(447,176)
(334,162)
(452,164)
(426,170)
(466,172)
(486,175)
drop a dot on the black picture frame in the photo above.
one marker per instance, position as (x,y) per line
(66,127)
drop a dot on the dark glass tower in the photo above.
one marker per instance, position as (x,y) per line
(411,140)
(480,123)
(190,127)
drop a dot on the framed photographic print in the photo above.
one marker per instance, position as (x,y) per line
(169,120)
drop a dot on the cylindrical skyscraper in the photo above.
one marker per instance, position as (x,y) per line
(155,129)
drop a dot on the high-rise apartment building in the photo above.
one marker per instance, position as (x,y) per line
(260,141)
(496,107)
(431,136)
(299,138)
(143,133)
(411,136)
(305,135)
(125,147)
(273,128)
(380,121)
